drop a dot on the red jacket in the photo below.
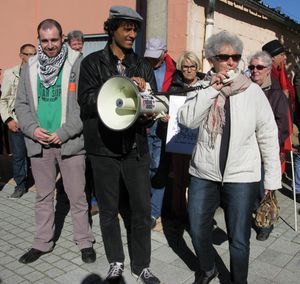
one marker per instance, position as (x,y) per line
(285,83)
(287,87)
(170,69)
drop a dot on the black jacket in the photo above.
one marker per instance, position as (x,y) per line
(159,180)
(279,104)
(95,70)
(177,85)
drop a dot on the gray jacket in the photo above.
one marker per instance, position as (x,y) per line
(70,132)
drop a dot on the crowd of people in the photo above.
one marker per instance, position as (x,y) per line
(242,120)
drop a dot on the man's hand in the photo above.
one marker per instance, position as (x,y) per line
(13,126)
(140,82)
(41,135)
(165,117)
(54,139)
(145,118)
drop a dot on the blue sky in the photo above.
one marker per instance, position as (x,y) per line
(288,7)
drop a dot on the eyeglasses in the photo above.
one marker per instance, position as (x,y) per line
(225,57)
(187,67)
(28,54)
(258,67)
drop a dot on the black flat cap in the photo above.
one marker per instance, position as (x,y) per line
(123,12)
(273,47)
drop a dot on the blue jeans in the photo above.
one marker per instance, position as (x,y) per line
(154,144)
(157,195)
(237,201)
(261,192)
(297,173)
(19,160)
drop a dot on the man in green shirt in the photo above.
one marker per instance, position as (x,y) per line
(49,116)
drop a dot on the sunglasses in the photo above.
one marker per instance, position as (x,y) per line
(225,57)
(258,67)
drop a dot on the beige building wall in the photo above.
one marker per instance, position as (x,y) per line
(184,30)
(253,28)
(157,18)
(177,27)
(20,18)
(256,29)
(196,27)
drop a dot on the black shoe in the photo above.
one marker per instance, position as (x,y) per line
(115,271)
(147,277)
(298,197)
(263,235)
(32,255)
(94,209)
(204,278)
(88,255)
(153,222)
(18,193)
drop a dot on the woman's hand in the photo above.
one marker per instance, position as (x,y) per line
(217,80)
(267,191)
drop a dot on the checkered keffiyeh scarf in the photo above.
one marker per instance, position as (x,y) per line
(49,67)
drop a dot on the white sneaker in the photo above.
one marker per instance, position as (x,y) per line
(147,277)
(115,270)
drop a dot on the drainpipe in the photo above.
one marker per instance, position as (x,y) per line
(157,18)
(209,26)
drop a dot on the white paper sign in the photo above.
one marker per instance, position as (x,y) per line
(179,138)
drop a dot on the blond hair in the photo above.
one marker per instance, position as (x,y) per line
(191,56)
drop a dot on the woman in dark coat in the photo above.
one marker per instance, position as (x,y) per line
(173,169)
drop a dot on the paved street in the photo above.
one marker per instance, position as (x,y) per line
(276,260)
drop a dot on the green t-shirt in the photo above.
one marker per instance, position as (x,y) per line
(49,105)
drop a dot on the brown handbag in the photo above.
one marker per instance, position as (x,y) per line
(268,211)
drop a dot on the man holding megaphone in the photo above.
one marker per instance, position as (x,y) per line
(119,158)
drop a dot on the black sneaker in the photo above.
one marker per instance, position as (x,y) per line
(18,193)
(204,278)
(115,270)
(264,233)
(147,277)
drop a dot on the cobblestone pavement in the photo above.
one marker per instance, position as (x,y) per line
(276,260)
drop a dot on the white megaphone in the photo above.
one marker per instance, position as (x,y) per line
(120,103)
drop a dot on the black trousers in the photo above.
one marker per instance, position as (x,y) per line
(122,185)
